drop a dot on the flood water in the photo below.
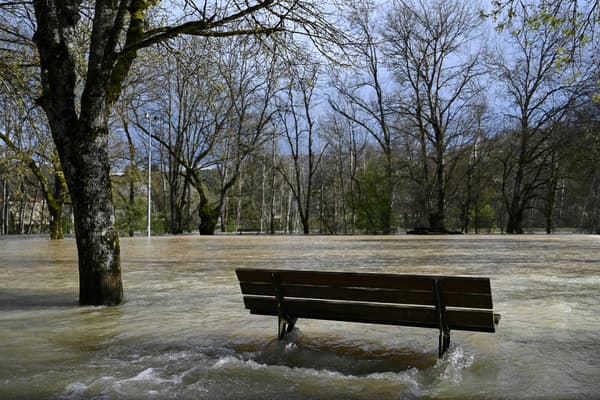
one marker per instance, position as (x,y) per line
(183,331)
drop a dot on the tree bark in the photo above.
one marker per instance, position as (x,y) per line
(87,175)
(97,240)
(86,166)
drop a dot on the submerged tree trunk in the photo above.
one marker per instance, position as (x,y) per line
(209,217)
(55,199)
(55,203)
(80,133)
(207,213)
(56,228)
(86,168)
(97,240)
(515,220)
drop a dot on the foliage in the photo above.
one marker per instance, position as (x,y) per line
(372,206)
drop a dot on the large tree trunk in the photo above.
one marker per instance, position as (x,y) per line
(87,174)
(97,240)
(83,152)
(209,217)
(305,224)
(208,214)
(81,136)
(515,212)
(515,222)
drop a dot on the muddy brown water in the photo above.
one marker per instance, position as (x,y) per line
(183,331)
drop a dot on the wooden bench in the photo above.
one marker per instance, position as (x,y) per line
(440,302)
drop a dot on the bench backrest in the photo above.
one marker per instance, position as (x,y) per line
(462,303)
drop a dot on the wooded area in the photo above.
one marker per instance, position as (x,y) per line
(286,116)
(434,118)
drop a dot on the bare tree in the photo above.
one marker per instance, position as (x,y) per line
(431,52)
(338,173)
(251,81)
(543,82)
(22,120)
(24,131)
(214,103)
(297,121)
(367,104)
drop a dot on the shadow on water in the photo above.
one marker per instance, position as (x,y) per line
(91,329)
(326,367)
(13,300)
(297,351)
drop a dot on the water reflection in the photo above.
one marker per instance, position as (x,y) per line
(183,331)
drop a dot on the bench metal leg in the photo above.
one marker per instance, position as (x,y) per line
(285,326)
(442,322)
(281,328)
(444,342)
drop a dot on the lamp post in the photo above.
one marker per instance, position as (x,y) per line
(149,216)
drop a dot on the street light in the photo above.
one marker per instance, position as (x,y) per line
(149,216)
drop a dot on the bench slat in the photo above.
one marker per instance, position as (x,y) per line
(335,311)
(468,300)
(374,280)
(466,285)
(425,317)
(369,295)
(342,293)
(471,320)
(344,279)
